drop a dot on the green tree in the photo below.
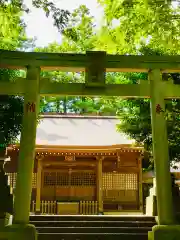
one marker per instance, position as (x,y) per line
(80,31)
(135,119)
(60,16)
(144,28)
(12,37)
(78,37)
(138,22)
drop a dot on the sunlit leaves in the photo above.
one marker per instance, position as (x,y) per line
(80,30)
(12,36)
(143,19)
(60,16)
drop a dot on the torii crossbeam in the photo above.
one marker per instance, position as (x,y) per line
(95,64)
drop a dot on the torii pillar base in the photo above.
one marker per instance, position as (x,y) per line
(165,232)
(19,232)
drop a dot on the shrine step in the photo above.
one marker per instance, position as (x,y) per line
(93,236)
(93,224)
(93,229)
(90,218)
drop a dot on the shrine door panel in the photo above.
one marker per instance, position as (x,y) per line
(120,187)
(69,185)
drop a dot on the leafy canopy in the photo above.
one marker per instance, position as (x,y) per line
(12,37)
(60,16)
(145,29)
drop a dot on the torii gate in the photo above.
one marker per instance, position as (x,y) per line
(95,64)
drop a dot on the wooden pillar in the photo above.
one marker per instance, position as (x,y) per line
(71,192)
(39,183)
(160,150)
(27,148)
(140,183)
(99,184)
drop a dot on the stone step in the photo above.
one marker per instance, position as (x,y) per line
(90,218)
(93,230)
(93,223)
(92,227)
(92,236)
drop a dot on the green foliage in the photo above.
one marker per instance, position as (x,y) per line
(60,16)
(11,109)
(135,120)
(12,33)
(80,30)
(78,37)
(157,23)
(12,37)
(144,28)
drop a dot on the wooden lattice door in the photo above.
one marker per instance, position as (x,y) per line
(70,185)
(120,187)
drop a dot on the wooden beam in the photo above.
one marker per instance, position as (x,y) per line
(16,87)
(170,90)
(70,163)
(84,148)
(48,88)
(80,89)
(78,62)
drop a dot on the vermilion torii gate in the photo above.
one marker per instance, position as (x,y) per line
(95,64)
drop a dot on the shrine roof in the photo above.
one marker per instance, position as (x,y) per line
(71,130)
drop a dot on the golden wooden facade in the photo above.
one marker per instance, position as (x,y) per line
(109,175)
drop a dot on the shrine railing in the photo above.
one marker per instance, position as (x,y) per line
(50,207)
(88,207)
(47,207)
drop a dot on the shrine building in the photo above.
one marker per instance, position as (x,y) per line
(82,160)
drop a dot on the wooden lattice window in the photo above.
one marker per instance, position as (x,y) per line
(107,181)
(34,180)
(12,179)
(76,179)
(69,179)
(131,181)
(83,179)
(120,181)
(49,178)
(62,179)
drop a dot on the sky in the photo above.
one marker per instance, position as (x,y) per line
(41,27)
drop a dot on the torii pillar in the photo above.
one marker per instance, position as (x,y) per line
(21,229)
(160,150)
(166,228)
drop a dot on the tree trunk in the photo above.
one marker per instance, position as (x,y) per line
(58,105)
(65,105)
(83,110)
